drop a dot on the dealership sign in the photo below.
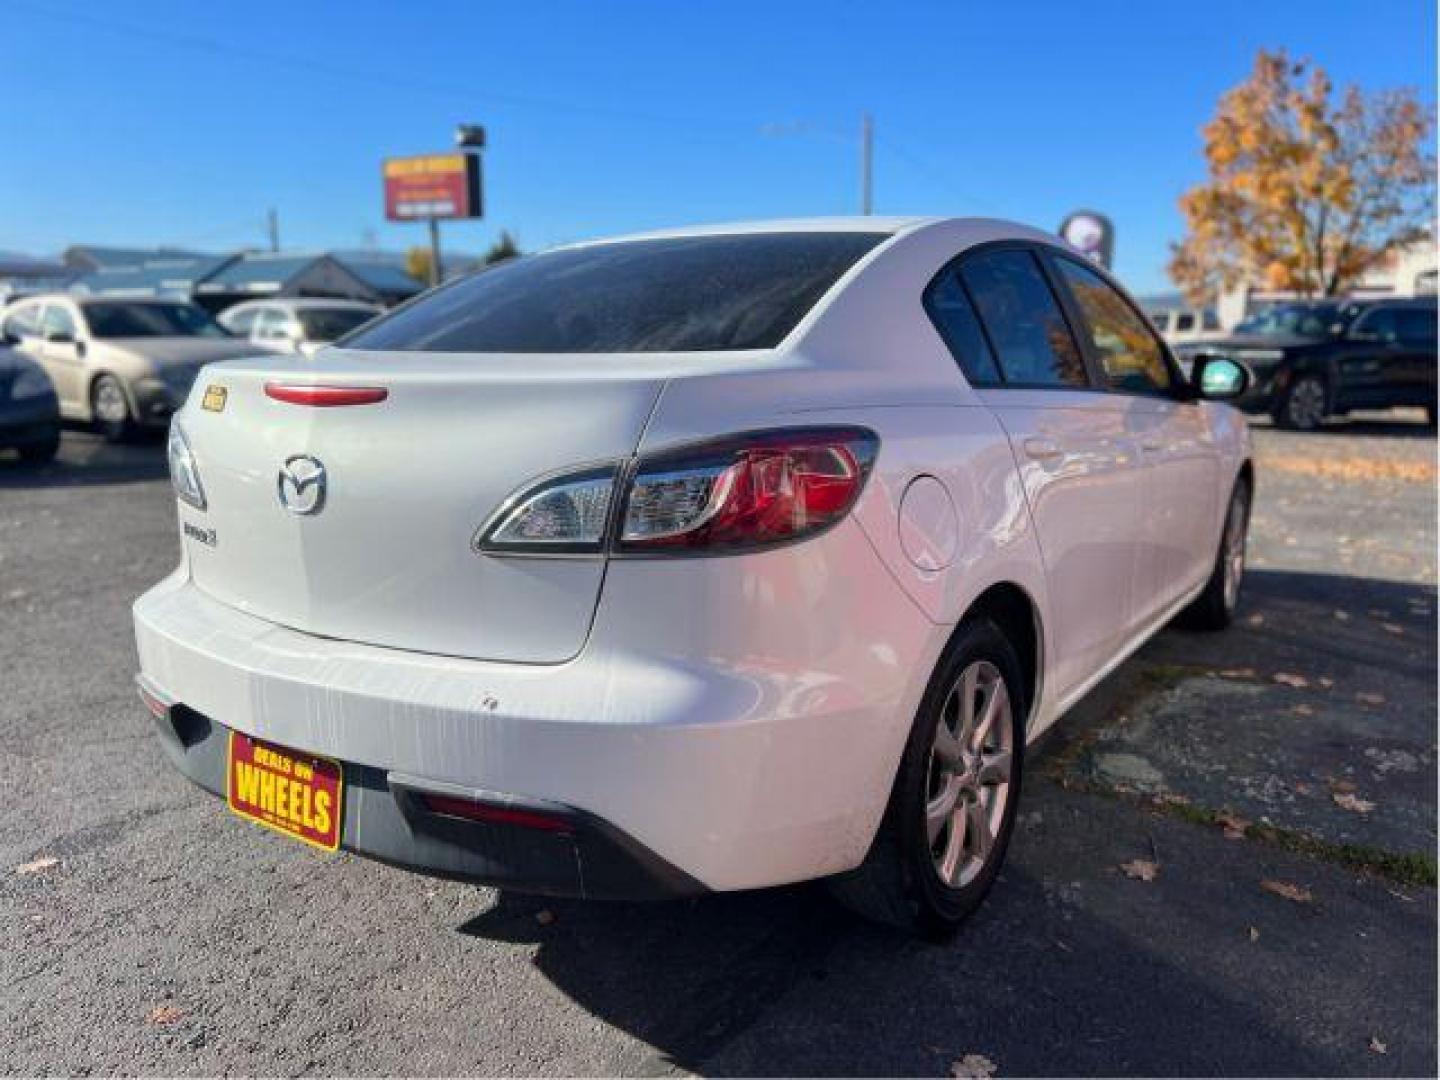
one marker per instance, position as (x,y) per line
(1091,234)
(432,186)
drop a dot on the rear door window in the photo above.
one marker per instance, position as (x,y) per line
(954,316)
(1032,341)
(1130,355)
(680,294)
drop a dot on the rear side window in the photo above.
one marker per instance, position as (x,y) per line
(22,322)
(684,294)
(954,316)
(1130,354)
(1032,341)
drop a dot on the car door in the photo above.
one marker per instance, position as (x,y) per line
(62,350)
(1176,531)
(1417,339)
(1077,462)
(1371,367)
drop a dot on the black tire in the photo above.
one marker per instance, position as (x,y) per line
(108,396)
(899,883)
(1214,609)
(38,453)
(1304,404)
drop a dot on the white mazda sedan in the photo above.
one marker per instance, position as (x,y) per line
(694,561)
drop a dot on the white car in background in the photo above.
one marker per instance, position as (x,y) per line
(700,560)
(296,325)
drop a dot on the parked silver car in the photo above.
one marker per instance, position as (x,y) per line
(121,363)
(296,325)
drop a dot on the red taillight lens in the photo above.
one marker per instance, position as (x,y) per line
(747,491)
(325,397)
(493,814)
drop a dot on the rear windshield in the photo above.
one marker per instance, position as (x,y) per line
(688,294)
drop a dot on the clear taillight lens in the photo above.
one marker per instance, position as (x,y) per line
(747,491)
(738,493)
(184,475)
(566,515)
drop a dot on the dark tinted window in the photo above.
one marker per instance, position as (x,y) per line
(678,295)
(1417,326)
(1024,320)
(1293,320)
(121,319)
(327,324)
(1129,353)
(954,316)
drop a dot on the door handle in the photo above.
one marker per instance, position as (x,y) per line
(1041,449)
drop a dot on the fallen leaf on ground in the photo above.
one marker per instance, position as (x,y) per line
(976,1066)
(1392,628)
(1342,786)
(1370,699)
(545,917)
(1284,678)
(164,1014)
(1141,869)
(1256,620)
(1343,616)
(1297,893)
(1254,934)
(1238,673)
(1301,788)
(1348,801)
(1326,683)
(36,865)
(1233,825)
(1378,1047)
(1303,710)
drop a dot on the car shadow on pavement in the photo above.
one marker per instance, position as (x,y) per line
(786,983)
(1411,425)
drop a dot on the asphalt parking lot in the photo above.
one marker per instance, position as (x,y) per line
(1276,785)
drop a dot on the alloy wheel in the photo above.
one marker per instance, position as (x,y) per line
(1305,407)
(110,404)
(968,784)
(1234,555)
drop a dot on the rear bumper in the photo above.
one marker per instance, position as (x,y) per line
(685,768)
(386,818)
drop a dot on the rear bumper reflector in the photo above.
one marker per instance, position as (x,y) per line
(325,396)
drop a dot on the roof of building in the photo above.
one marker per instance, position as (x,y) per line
(172,274)
(254,271)
(383,277)
(105,257)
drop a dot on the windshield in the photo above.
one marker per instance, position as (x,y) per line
(327,324)
(686,294)
(1293,320)
(119,319)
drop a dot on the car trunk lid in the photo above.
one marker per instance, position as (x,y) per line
(386,557)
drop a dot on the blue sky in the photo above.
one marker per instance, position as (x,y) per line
(181,123)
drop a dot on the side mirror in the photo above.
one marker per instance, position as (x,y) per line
(1218,378)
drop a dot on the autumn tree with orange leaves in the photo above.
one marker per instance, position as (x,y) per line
(1306,192)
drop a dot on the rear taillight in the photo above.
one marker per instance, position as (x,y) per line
(184,473)
(734,494)
(325,397)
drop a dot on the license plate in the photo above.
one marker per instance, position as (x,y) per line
(294,793)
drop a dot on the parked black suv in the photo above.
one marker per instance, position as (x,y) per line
(1313,360)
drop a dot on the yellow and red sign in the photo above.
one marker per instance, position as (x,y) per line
(432,186)
(293,793)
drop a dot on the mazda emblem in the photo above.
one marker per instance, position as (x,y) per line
(301,484)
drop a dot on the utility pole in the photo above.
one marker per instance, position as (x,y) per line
(867,157)
(435,274)
(273,221)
